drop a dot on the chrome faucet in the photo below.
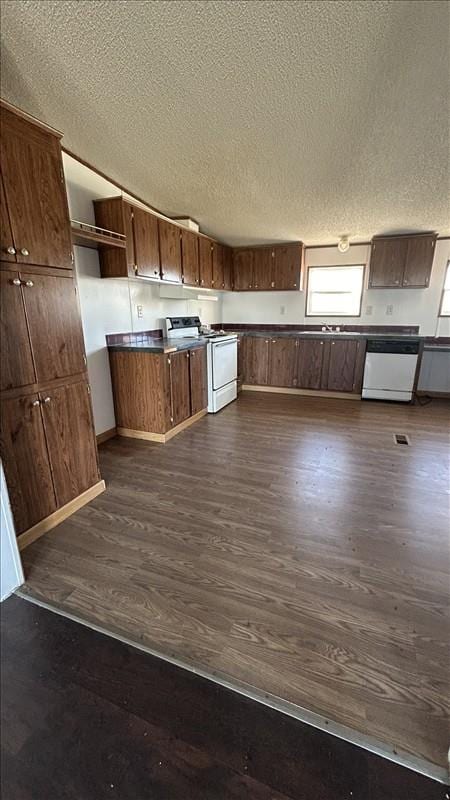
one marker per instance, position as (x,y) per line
(327,328)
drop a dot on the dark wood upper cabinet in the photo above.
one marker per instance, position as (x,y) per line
(255,360)
(282,361)
(25,459)
(179,385)
(227,268)
(146,243)
(205,262)
(55,325)
(218,281)
(343,370)
(419,261)
(262,269)
(401,261)
(35,193)
(190,258)
(310,363)
(198,379)
(287,266)
(115,214)
(243,269)
(72,449)
(7,248)
(170,251)
(17,367)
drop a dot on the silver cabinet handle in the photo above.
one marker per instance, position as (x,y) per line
(24,252)
(16,282)
(35,403)
(28,283)
(11,250)
(47,400)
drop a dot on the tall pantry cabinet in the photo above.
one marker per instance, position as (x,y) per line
(47,438)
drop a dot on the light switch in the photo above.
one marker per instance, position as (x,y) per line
(369,310)
(140,311)
(389,310)
(282,310)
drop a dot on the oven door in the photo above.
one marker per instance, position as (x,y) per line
(224,363)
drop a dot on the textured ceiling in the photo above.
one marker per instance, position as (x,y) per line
(262,120)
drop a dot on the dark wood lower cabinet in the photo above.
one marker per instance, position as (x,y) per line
(310,363)
(198,379)
(255,359)
(72,448)
(25,460)
(313,364)
(17,365)
(179,380)
(343,369)
(282,361)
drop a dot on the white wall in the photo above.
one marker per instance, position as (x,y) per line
(110,305)
(11,575)
(410,306)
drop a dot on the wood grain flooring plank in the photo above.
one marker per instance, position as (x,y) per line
(287,542)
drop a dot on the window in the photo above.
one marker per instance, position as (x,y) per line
(445,302)
(335,291)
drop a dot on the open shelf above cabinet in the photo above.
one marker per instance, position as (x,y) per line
(88,235)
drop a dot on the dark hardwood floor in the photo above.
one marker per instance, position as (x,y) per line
(85,717)
(287,543)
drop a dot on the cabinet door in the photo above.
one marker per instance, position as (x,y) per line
(25,460)
(342,365)
(262,269)
(310,363)
(170,251)
(227,269)
(72,447)
(198,380)
(255,359)
(17,368)
(287,266)
(55,325)
(146,244)
(189,258)
(7,248)
(217,266)
(205,261)
(180,405)
(282,361)
(35,193)
(387,262)
(419,261)
(243,269)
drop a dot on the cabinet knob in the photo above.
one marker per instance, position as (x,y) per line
(295,285)
(35,403)
(16,282)
(11,250)
(249,286)
(272,284)
(405,281)
(47,400)
(24,251)
(29,284)
(256,285)
(396,282)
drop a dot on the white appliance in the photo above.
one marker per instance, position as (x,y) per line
(390,369)
(222,370)
(221,351)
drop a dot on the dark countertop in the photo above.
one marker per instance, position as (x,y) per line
(159,345)
(267,334)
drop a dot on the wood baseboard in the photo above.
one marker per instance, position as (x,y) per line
(442,395)
(45,525)
(162,438)
(305,392)
(103,437)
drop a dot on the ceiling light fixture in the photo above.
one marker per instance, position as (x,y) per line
(343,244)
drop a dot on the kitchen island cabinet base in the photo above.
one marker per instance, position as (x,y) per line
(54,519)
(308,392)
(162,438)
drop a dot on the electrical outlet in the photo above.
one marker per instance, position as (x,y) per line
(389,310)
(282,310)
(140,311)
(369,310)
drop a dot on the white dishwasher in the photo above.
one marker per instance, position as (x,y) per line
(390,369)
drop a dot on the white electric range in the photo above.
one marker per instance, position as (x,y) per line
(221,351)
